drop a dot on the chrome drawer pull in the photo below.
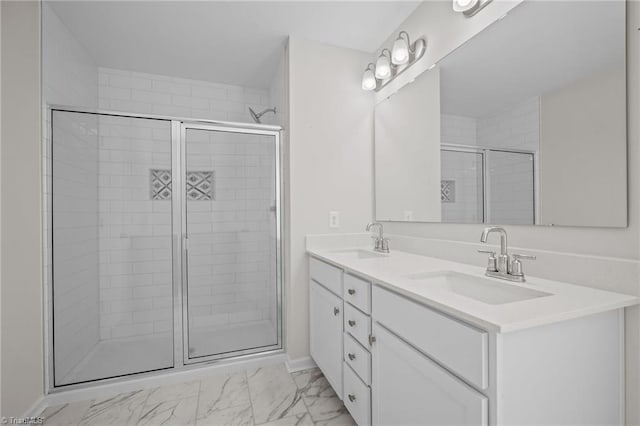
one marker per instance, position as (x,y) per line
(336,311)
(352,357)
(352,397)
(351,291)
(352,323)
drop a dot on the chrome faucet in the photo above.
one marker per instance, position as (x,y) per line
(503,266)
(381,244)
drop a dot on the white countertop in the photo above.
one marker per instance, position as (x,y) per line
(567,301)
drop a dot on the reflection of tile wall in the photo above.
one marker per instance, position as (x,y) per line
(448,191)
(200,185)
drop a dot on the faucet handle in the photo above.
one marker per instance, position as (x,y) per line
(516,265)
(517,256)
(492,263)
(492,252)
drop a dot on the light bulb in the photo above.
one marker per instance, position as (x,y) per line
(463,5)
(400,51)
(383,68)
(368,80)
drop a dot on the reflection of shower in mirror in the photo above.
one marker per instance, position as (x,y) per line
(256,115)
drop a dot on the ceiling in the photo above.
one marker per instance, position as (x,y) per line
(538,47)
(232,42)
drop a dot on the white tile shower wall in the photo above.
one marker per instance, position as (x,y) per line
(510,176)
(517,126)
(130,91)
(510,196)
(70,77)
(227,265)
(135,231)
(231,238)
(75,208)
(463,168)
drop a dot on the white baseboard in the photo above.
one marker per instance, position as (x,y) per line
(299,364)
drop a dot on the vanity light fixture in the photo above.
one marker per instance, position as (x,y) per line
(469,7)
(392,63)
(369,81)
(383,65)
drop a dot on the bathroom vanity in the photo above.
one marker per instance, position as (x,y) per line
(408,339)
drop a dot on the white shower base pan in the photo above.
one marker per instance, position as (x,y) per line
(120,357)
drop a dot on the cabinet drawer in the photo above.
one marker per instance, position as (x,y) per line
(325,274)
(357,324)
(357,397)
(358,358)
(460,347)
(357,292)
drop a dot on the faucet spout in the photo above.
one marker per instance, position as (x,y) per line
(503,237)
(379,225)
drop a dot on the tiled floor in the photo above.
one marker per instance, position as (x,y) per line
(263,396)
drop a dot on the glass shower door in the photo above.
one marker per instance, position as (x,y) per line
(231,241)
(110,247)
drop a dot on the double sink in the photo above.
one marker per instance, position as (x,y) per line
(485,290)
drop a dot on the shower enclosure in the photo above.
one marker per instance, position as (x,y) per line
(163,243)
(487,185)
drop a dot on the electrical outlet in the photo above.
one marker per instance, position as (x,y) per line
(408,215)
(334,219)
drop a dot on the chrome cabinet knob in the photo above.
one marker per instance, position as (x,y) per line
(352,323)
(336,311)
(352,397)
(351,291)
(352,357)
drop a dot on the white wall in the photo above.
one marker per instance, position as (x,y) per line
(407,129)
(603,247)
(330,161)
(70,77)
(579,136)
(21,328)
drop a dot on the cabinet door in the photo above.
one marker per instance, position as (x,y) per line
(409,389)
(325,318)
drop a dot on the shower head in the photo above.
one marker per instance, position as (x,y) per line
(256,115)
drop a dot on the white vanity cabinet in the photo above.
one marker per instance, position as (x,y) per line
(340,328)
(406,363)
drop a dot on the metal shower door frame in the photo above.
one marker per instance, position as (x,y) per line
(180,238)
(178,130)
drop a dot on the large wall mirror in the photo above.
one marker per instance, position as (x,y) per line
(523,124)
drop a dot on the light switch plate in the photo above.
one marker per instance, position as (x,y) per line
(334,219)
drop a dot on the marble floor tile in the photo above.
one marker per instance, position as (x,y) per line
(223,391)
(299,420)
(65,414)
(234,416)
(171,412)
(322,402)
(312,383)
(274,395)
(343,419)
(173,392)
(123,409)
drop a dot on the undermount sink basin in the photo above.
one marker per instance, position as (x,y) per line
(477,288)
(360,254)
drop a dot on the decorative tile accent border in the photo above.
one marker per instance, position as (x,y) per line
(448,191)
(161,184)
(200,185)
